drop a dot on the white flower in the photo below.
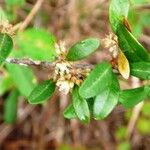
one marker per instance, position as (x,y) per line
(65,86)
(62,68)
(111,42)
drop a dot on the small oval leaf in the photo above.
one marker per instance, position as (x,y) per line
(80,106)
(97,81)
(129,98)
(42,92)
(69,112)
(6,45)
(141,70)
(106,100)
(82,49)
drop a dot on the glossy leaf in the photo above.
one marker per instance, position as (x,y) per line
(37,44)
(69,112)
(129,98)
(80,106)
(117,11)
(106,100)
(82,49)
(97,81)
(141,70)
(23,78)
(42,92)
(90,102)
(123,65)
(133,50)
(6,45)
(10,107)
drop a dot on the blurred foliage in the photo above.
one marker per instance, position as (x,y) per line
(37,44)
(138,19)
(10,107)
(6,82)
(67,147)
(143,124)
(23,78)
(12,3)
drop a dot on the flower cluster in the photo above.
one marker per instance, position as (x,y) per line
(119,60)
(5,27)
(66,75)
(111,42)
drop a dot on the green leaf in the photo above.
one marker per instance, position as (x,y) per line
(6,45)
(37,44)
(23,78)
(82,49)
(80,106)
(42,92)
(10,107)
(106,100)
(69,112)
(90,102)
(141,70)
(5,83)
(15,2)
(97,81)
(147,90)
(117,11)
(133,50)
(129,98)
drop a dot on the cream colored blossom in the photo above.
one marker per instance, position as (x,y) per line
(65,86)
(5,27)
(62,68)
(111,42)
(65,75)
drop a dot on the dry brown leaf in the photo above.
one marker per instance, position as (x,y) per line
(123,65)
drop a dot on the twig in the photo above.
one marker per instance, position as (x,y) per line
(43,64)
(16,27)
(136,111)
(33,12)
(134,117)
(29,62)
